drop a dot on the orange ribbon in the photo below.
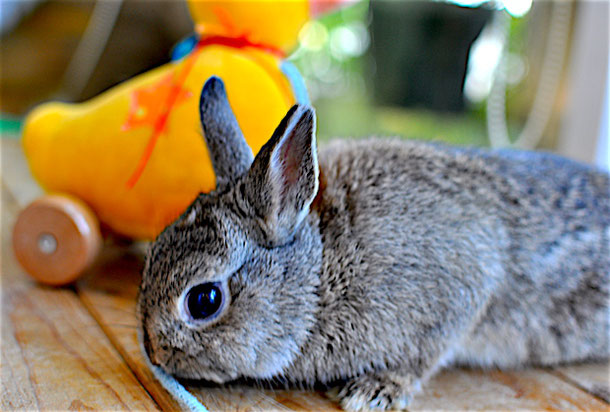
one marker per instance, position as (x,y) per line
(176,87)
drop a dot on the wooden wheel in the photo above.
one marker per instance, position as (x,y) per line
(56,238)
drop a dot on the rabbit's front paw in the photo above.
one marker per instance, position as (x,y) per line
(377,391)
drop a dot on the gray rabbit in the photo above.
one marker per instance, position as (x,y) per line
(376,264)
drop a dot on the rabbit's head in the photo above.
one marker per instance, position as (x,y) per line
(229,289)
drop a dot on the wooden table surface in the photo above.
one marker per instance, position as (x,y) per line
(75,348)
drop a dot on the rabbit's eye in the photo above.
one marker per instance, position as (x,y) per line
(204,301)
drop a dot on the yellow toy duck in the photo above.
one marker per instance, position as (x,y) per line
(135,155)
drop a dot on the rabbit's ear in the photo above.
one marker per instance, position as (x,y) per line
(283,180)
(230,154)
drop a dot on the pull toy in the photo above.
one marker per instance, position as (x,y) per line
(133,158)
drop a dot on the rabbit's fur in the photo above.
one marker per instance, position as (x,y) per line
(379,265)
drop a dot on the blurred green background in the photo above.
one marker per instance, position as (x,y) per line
(337,59)
(371,68)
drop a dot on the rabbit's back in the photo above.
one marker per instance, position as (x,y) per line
(423,224)
(554,306)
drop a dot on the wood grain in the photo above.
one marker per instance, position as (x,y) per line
(530,389)
(109,292)
(246,398)
(54,354)
(592,377)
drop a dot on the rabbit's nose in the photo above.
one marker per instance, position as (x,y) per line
(160,355)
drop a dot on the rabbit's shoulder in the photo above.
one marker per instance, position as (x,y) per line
(390,172)
(398,203)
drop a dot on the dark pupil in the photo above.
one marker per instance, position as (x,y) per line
(204,300)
